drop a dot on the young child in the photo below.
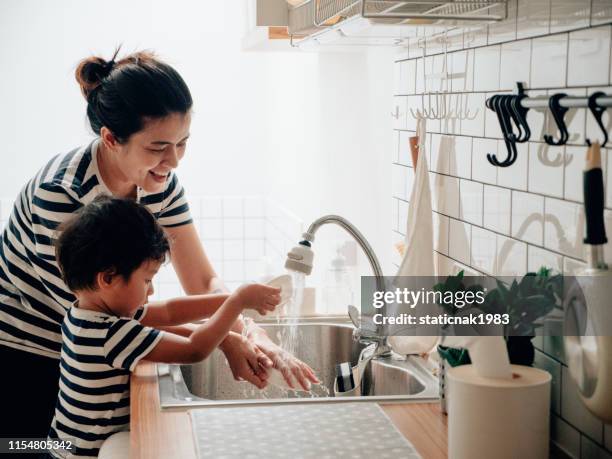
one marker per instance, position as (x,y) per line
(109,254)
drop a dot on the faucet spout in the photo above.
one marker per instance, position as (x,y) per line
(380,337)
(309,236)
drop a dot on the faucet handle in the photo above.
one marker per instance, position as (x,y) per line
(365,336)
(360,333)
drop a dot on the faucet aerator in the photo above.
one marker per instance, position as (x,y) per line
(299,258)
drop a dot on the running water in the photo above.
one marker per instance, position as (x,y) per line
(288,336)
(288,339)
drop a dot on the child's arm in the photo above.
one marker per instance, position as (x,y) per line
(178,311)
(173,348)
(181,330)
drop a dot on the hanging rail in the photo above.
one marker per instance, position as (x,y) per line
(567,102)
(511,111)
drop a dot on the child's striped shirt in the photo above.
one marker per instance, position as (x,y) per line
(98,353)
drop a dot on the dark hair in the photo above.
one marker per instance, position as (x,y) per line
(109,234)
(120,95)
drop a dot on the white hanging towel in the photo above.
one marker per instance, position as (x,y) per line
(418,255)
(418,259)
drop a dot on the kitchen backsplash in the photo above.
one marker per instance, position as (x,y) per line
(506,221)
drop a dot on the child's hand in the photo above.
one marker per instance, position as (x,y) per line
(260,297)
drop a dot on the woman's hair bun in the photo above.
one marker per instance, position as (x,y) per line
(91,71)
(123,93)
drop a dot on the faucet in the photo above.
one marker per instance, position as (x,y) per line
(300,259)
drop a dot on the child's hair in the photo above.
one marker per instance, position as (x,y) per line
(109,234)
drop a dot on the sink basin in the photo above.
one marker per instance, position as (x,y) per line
(322,345)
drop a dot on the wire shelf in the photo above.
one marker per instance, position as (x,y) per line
(315,15)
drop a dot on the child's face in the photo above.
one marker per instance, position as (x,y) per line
(133,294)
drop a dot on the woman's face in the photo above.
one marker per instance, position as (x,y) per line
(149,155)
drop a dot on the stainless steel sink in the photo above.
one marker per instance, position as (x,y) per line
(322,346)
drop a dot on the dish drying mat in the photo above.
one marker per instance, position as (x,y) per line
(318,431)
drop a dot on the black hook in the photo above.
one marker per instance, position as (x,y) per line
(504,113)
(598,111)
(509,161)
(508,106)
(497,103)
(558,113)
(519,114)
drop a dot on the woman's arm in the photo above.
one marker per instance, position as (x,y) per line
(182,310)
(193,268)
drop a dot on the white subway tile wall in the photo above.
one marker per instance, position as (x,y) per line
(545,169)
(528,217)
(549,61)
(533,17)
(507,221)
(569,14)
(496,209)
(484,250)
(471,201)
(589,53)
(514,55)
(238,234)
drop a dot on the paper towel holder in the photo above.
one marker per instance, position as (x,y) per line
(581,351)
(587,340)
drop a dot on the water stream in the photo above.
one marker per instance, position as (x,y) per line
(288,339)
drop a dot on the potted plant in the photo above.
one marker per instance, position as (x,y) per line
(525,301)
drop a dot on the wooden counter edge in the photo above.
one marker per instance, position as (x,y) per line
(155,433)
(423,425)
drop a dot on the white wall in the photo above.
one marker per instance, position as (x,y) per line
(311,131)
(43,112)
(337,156)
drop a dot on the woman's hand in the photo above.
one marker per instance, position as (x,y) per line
(246,360)
(290,366)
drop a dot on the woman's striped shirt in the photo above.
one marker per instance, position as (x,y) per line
(98,353)
(33,296)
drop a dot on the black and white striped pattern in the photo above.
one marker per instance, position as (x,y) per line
(33,297)
(98,353)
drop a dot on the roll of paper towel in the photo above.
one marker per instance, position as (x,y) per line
(500,418)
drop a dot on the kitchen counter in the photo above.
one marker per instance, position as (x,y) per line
(162,434)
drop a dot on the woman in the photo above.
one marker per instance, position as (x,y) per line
(140,110)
